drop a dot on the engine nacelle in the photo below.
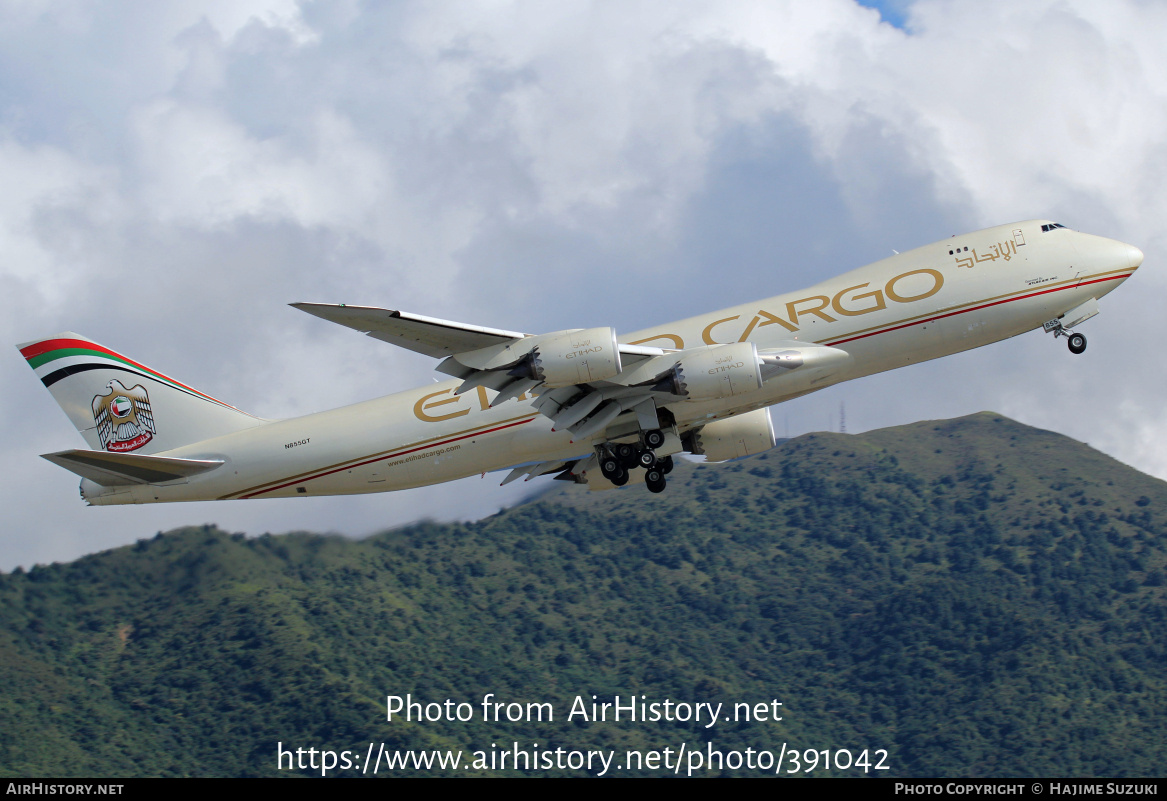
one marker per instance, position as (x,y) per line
(719,372)
(734,437)
(575,357)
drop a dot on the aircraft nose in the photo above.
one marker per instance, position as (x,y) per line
(1134,255)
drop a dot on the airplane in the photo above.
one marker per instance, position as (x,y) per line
(584,405)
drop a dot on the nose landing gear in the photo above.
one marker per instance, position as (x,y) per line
(1075,341)
(1060,326)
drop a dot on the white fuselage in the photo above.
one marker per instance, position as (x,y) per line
(940,299)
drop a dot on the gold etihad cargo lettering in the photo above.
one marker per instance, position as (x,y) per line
(425,403)
(855,305)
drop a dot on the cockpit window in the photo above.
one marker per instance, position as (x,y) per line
(1051,227)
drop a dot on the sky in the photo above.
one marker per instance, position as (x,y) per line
(172,175)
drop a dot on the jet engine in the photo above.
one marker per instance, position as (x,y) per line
(573,357)
(718,372)
(733,438)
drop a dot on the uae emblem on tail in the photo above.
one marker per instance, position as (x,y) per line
(124,420)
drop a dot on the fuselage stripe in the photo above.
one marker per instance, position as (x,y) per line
(380,457)
(928,319)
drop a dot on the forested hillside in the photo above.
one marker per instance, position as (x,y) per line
(975,596)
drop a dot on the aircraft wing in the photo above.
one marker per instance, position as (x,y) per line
(583,379)
(427,335)
(562,367)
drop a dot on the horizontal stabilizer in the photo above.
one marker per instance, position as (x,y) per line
(120,469)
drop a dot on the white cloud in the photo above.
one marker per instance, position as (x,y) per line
(198,167)
(43,188)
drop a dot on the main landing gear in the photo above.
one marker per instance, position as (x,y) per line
(618,459)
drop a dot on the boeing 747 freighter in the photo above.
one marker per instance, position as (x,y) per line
(587,405)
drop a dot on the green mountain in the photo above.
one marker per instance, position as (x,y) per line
(973,596)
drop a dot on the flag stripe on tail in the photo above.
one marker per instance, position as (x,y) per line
(42,353)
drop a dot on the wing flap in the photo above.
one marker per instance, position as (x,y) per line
(121,469)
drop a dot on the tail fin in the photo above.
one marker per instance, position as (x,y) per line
(119,405)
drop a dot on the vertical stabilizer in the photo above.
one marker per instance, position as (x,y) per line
(122,406)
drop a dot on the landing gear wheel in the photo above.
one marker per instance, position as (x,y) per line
(621,478)
(654,439)
(665,464)
(626,454)
(646,459)
(1077,343)
(610,466)
(654,479)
